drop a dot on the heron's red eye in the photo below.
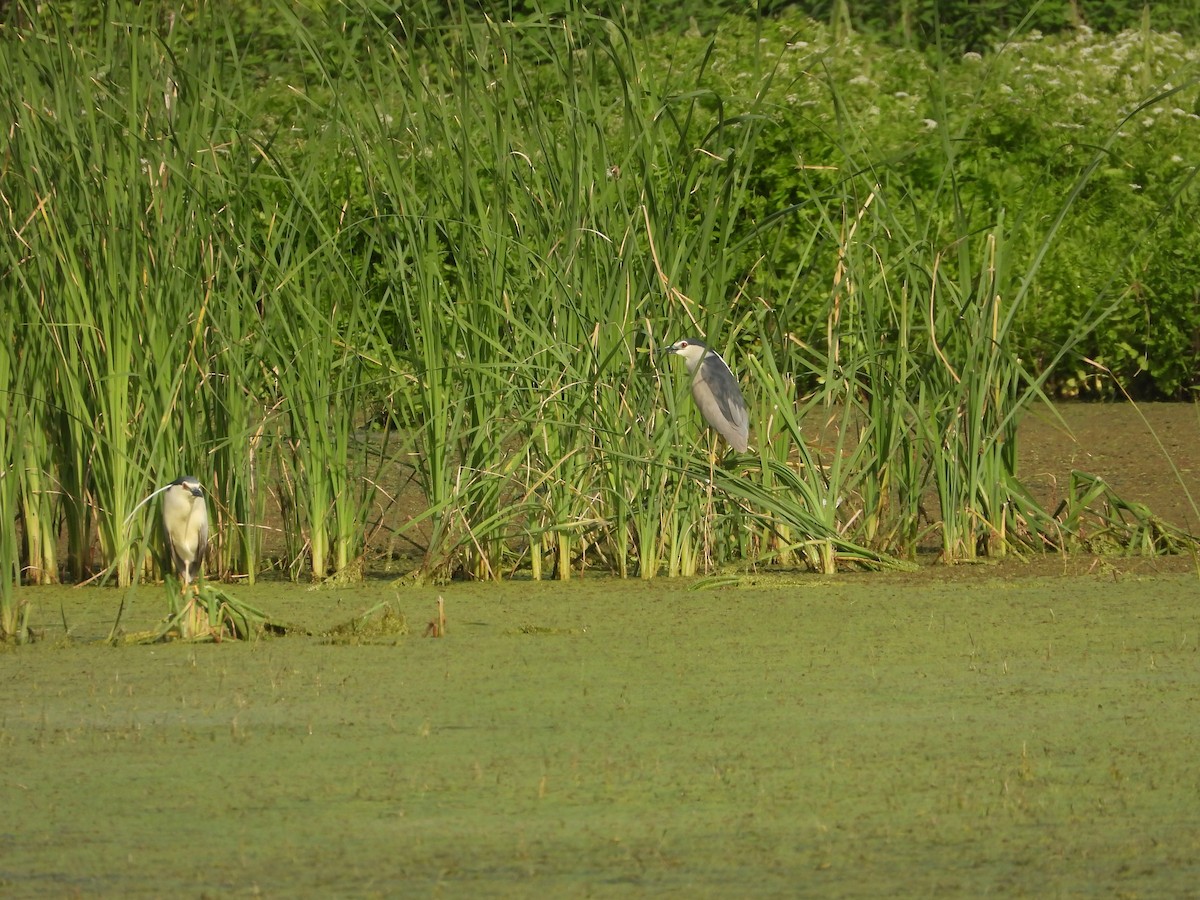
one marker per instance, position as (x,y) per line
(683,345)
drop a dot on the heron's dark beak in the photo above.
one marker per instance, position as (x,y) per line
(197,491)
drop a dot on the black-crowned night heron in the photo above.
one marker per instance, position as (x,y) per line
(185,523)
(715,391)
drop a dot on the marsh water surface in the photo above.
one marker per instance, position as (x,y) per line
(852,736)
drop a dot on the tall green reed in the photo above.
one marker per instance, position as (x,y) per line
(917,365)
(13,613)
(312,315)
(473,241)
(87,277)
(521,277)
(114,205)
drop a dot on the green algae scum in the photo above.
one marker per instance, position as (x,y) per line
(991,732)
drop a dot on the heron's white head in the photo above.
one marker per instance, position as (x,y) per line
(188,484)
(692,351)
(183,501)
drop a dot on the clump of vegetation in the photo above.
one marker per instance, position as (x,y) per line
(381,623)
(1094,518)
(208,613)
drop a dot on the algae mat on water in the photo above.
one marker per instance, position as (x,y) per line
(929,735)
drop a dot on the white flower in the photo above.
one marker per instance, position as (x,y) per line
(930,124)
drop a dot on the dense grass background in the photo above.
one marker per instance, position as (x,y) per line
(298,249)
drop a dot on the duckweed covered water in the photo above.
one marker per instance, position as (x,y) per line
(843,737)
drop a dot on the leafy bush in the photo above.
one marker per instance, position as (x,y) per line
(1021,123)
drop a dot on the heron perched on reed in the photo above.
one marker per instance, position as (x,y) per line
(716,391)
(185,523)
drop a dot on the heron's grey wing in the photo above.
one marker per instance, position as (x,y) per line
(716,392)
(202,537)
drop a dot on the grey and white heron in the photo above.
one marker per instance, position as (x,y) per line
(185,524)
(716,391)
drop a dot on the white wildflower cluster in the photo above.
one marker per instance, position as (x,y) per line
(1080,82)
(1092,83)
(1020,105)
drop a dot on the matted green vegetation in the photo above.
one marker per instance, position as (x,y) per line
(447,247)
(855,736)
